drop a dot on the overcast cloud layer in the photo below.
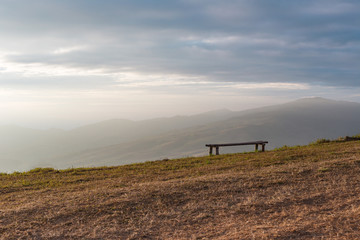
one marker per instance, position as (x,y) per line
(139,56)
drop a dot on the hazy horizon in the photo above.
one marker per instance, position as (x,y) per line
(73,125)
(57,124)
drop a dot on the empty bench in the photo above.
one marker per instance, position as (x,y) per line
(217,146)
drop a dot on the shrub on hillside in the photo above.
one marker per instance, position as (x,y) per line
(321,141)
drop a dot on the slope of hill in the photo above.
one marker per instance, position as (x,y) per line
(308,192)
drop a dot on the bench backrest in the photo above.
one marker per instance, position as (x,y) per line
(237,144)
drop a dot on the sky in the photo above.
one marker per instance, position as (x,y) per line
(67,63)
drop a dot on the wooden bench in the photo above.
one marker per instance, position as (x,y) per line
(217,146)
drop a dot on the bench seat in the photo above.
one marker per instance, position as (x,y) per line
(217,146)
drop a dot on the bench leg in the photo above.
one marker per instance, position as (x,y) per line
(263,148)
(210,152)
(217,150)
(256,147)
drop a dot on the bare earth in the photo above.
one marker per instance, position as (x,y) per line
(310,192)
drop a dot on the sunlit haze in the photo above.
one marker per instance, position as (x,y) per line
(68,63)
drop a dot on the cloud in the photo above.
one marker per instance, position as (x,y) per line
(290,42)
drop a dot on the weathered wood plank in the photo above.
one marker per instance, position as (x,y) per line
(236,144)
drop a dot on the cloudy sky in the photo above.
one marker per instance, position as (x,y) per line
(65,63)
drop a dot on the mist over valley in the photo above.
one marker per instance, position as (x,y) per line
(119,141)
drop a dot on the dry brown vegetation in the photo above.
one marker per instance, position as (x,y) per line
(309,192)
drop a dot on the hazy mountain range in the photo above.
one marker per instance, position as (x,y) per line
(119,141)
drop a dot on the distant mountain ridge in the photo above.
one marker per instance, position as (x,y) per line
(116,142)
(23,148)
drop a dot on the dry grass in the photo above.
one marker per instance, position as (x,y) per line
(310,192)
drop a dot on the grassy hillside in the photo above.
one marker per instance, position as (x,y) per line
(307,192)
